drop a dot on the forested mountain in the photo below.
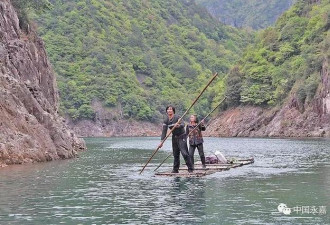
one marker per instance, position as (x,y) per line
(256,14)
(286,58)
(136,56)
(133,57)
(281,87)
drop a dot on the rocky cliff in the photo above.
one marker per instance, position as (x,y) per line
(31,129)
(120,128)
(290,120)
(109,123)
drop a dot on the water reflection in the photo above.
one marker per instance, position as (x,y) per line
(187,196)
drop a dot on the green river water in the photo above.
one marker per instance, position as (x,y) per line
(103,186)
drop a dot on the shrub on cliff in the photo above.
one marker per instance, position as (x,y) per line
(233,87)
(24,6)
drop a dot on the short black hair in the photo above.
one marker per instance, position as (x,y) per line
(170,106)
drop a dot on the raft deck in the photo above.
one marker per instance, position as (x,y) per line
(210,169)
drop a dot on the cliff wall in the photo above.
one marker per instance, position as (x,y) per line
(31,129)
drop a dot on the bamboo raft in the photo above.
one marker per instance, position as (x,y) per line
(210,169)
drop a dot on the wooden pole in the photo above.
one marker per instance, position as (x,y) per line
(206,116)
(179,121)
(192,131)
(163,161)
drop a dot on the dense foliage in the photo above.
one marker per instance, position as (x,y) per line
(286,58)
(137,56)
(247,13)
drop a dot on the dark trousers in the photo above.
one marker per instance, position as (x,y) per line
(179,144)
(200,151)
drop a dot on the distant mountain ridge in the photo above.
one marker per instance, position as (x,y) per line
(257,14)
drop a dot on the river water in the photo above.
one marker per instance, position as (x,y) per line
(103,186)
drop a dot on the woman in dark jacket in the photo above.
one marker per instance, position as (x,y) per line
(196,139)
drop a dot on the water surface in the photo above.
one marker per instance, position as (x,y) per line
(103,186)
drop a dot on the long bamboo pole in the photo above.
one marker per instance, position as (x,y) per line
(192,131)
(206,116)
(179,121)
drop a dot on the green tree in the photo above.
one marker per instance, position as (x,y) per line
(234,87)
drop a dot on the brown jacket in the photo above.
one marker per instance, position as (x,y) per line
(196,137)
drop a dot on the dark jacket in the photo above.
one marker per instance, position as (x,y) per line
(196,137)
(168,124)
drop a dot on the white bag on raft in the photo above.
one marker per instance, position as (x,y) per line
(221,157)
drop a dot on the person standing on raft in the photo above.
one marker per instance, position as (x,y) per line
(179,139)
(196,139)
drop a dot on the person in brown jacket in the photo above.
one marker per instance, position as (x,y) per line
(196,139)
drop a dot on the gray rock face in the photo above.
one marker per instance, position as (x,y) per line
(30,128)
